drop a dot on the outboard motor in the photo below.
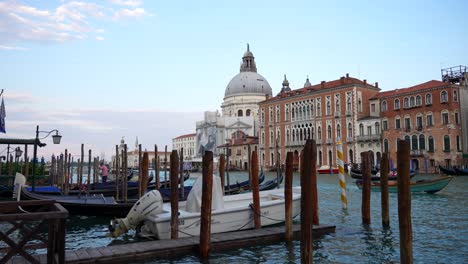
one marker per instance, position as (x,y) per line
(20,181)
(150,204)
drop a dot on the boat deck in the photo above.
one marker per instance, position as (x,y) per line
(164,249)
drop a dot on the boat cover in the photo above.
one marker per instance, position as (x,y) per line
(194,198)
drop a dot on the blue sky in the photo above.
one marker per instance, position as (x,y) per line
(102,70)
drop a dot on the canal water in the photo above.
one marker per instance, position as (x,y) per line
(440,229)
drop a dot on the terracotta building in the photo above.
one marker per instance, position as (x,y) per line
(328,112)
(238,147)
(427,115)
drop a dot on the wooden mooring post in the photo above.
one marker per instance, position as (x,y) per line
(181,174)
(117,173)
(404,202)
(156,167)
(255,189)
(165,166)
(125,178)
(384,170)
(308,170)
(222,167)
(366,182)
(205,228)
(89,170)
(144,174)
(174,194)
(288,234)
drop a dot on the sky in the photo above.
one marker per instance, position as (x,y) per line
(100,71)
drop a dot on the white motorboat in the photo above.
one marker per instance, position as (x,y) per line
(229,213)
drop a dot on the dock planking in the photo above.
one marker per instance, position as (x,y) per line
(163,249)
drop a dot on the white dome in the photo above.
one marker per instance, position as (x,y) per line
(248,83)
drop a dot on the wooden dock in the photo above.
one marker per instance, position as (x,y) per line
(164,249)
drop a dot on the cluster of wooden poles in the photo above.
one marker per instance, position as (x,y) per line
(404,196)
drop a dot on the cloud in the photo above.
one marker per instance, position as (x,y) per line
(2,47)
(72,20)
(130,13)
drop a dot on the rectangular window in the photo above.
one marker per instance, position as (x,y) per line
(407,124)
(419,122)
(458,144)
(429,121)
(373,108)
(456,118)
(445,118)
(369,130)
(397,123)
(385,125)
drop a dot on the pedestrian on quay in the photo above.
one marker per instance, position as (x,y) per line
(104,172)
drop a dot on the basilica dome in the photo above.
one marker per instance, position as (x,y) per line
(248,81)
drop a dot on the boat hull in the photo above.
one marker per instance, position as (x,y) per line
(327,171)
(231,218)
(428,186)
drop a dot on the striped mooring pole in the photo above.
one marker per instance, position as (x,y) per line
(341,173)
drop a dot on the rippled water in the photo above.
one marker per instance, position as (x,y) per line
(440,230)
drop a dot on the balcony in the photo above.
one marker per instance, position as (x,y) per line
(329,141)
(337,114)
(419,128)
(417,153)
(407,129)
(349,139)
(348,112)
(373,137)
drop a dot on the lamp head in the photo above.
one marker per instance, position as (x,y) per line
(18,152)
(56,138)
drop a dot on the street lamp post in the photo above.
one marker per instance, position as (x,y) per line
(18,153)
(55,138)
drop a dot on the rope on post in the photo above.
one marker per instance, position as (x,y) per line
(341,173)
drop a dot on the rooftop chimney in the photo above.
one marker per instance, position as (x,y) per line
(347,75)
(365,82)
(342,80)
(376,85)
(322,84)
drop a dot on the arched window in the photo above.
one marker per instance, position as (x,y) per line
(328,108)
(384,106)
(330,158)
(397,104)
(430,142)
(361,129)
(329,132)
(239,112)
(319,133)
(428,99)
(418,100)
(338,131)
(263,138)
(406,102)
(320,157)
(422,142)
(287,136)
(350,130)
(446,143)
(407,139)
(412,101)
(414,142)
(247,113)
(319,110)
(313,133)
(377,128)
(443,97)
(385,145)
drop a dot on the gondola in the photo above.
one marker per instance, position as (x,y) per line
(448,171)
(271,184)
(428,186)
(461,172)
(95,205)
(242,186)
(357,174)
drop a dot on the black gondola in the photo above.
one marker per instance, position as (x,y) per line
(357,174)
(448,171)
(271,184)
(461,172)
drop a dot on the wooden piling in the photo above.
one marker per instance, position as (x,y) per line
(158,177)
(26,162)
(66,175)
(288,234)
(228,178)
(404,202)
(222,167)
(308,168)
(384,170)
(255,189)
(125,181)
(156,167)
(117,172)
(366,193)
(205,228)
(81,167)
(89,170)
(181,174)
(165,166)
(144,174)
(174,194)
